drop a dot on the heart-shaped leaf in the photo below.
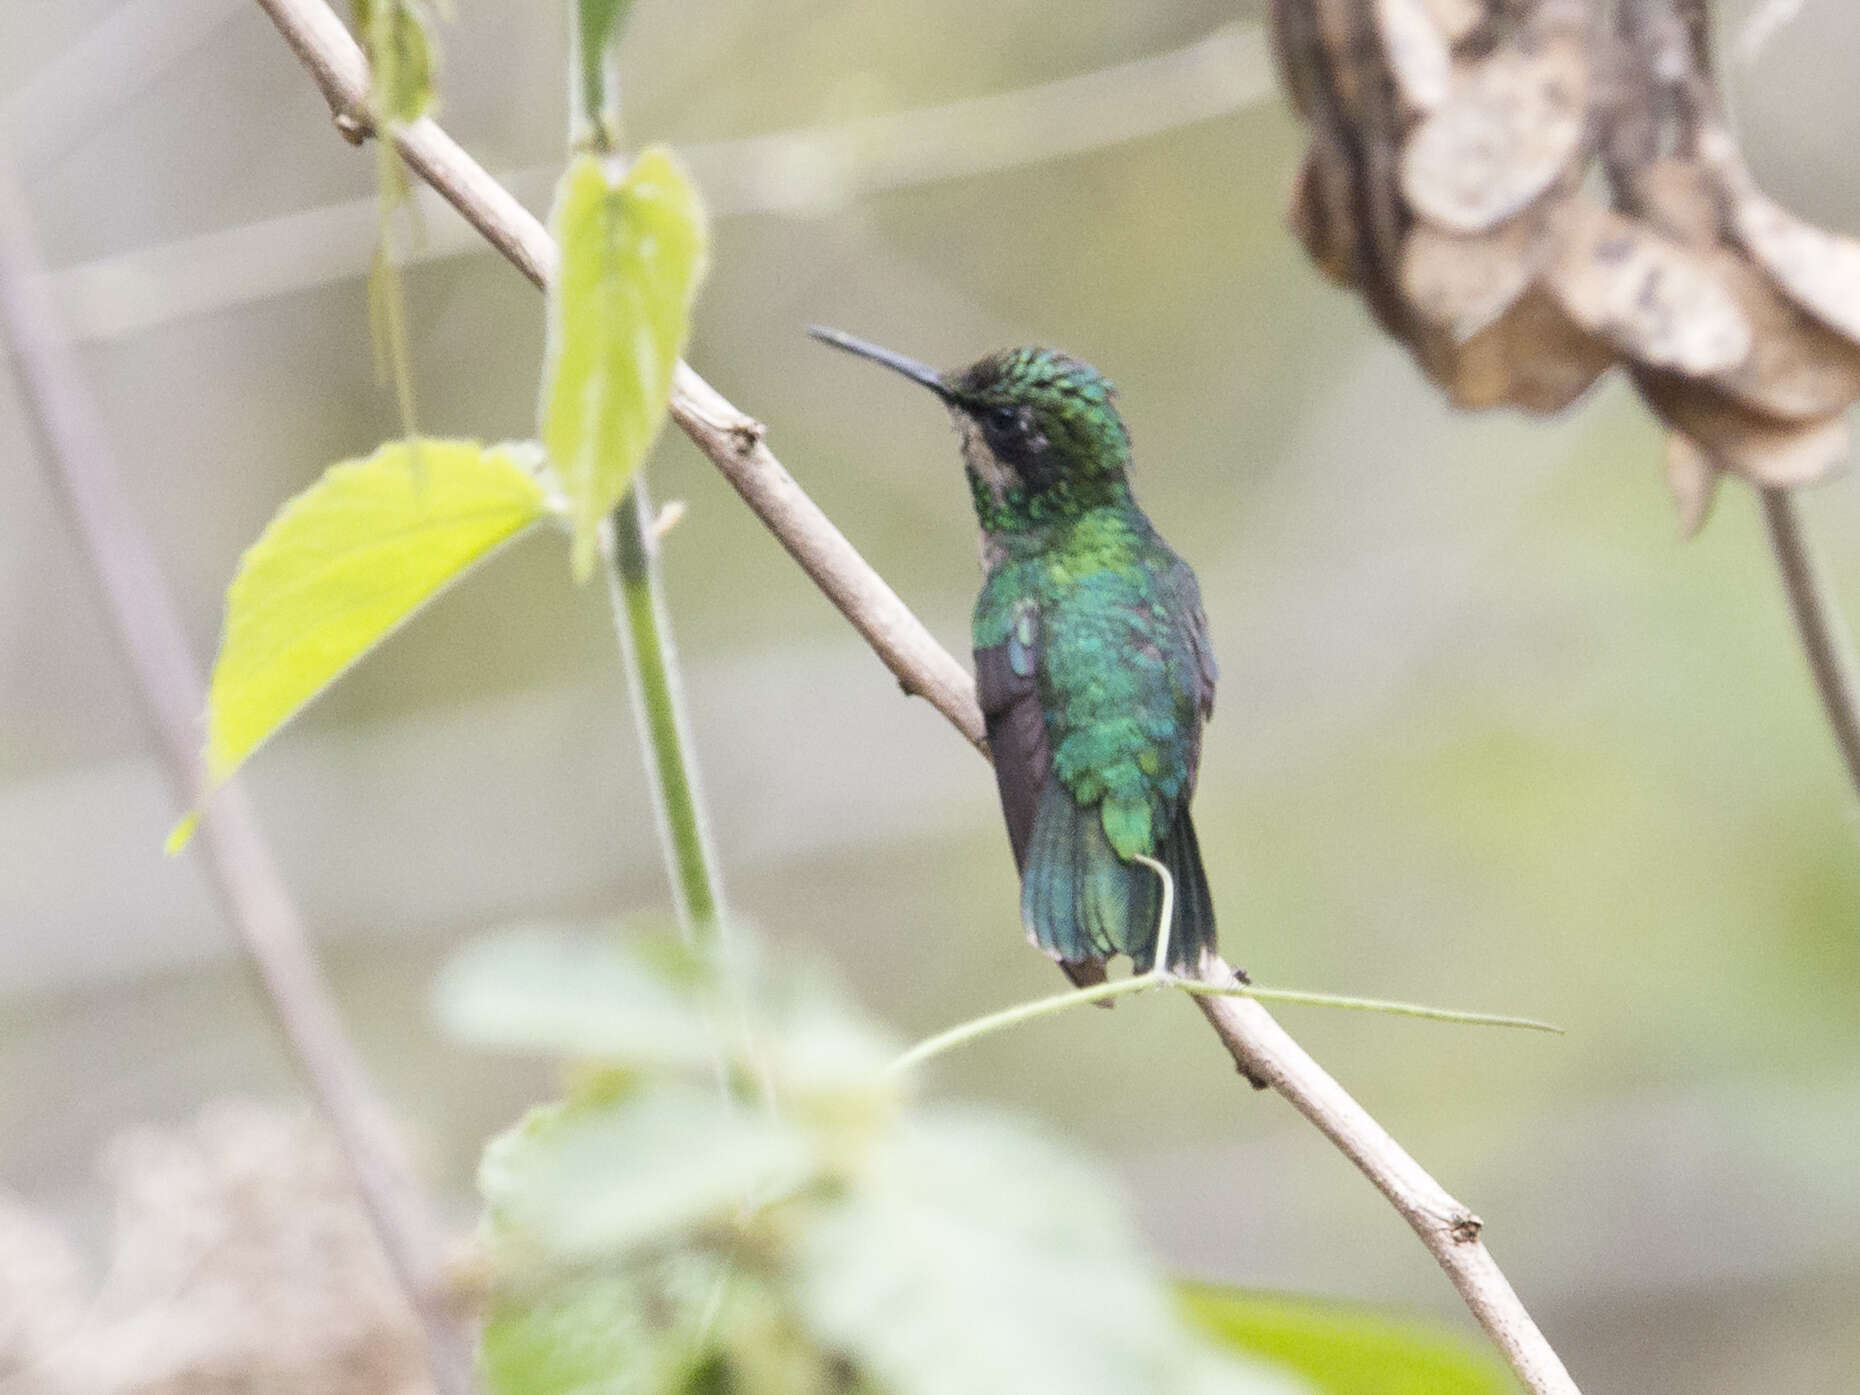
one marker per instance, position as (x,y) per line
(347,562)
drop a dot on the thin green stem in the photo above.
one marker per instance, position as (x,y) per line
(387,308)
(657,692)
(1393,1007)
(1159,976)
(594,77)
(387,303)
(978,1027)
(659,710)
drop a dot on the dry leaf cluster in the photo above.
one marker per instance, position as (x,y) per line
(242,1264)
(1529,193)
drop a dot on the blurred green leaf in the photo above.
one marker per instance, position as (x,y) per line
(400,52)
(573,993)
(343,565)
(619,314)
(1345,1350)
(648,1002)
(592,1180)
(816,1043)
(805,1031)
(974,1258)
(589,1337)
(696,1324)
(756,1346)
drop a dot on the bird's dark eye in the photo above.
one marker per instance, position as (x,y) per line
(1004,418)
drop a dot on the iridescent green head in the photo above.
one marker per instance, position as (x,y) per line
(1041,437)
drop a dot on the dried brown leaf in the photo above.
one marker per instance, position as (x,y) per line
(1463,284)
(1797,369)
(1418,54)
(1778,455)
(1647,295)
(1456,18)
(1511,124)
(1818,270)
(1680,198)
(1693,480)
(1296,59)
(1319,214)
(1346,54)
(1534,356)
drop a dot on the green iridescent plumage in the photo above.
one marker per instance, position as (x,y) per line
(1092,660)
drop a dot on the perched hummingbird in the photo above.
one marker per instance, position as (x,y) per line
(1092,660)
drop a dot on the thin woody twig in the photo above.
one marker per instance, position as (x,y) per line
(734,444)
(1817,620)
(732,440)
(1266,1054)
(249,886)
(1261,1049)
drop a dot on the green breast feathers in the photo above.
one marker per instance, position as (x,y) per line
(1112,645)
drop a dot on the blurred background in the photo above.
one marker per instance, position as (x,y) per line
(1488,735)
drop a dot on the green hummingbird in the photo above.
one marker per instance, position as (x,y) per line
(1092,661)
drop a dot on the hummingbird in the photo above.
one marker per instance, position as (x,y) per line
(1092,661)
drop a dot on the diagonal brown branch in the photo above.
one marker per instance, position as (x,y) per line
(1261,1049)
(148,628)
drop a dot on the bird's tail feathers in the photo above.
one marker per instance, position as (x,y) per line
(1050,880)
(1082,903)
(1191,931)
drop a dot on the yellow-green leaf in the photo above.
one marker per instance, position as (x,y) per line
(181,834)
(1342,1348)
(619,313)
(343,565)
(401,57)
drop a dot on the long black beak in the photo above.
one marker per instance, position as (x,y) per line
(909,367)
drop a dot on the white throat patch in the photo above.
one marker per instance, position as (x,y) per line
(977,455)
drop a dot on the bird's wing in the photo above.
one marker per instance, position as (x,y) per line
(1007,682)
(1192,621)
(1008,687)
(1126,690)
(1094,701)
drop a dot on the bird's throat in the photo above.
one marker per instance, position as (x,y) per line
(989,475)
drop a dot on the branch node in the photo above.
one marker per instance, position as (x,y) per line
(353,126)
(1249,1069)
(746,435)
(1464,1227)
